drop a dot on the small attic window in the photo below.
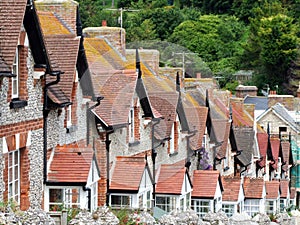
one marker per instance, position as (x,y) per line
(282,129)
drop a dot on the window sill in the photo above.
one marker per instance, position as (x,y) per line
(173,154)
(17,103)
(71,129)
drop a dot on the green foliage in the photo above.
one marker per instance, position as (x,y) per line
(124,217)
(215,38)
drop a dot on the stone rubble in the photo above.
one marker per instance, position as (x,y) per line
(102,216)
(143,217)
(188,217)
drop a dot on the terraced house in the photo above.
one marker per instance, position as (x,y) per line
(86,122)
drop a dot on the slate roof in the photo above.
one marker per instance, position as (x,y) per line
(70,164)
(205,183)
(170,178)
(254,188)
(11,17)
(243,132)
(272,189)
(127,173)
(244,137)
(222,131)
(231,187)
(284,188)
(260,102)
(280,111)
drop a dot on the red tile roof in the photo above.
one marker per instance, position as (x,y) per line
(222,132)
(205,183)
(196,118)
(231,187)
(262,139)
(170,178)
(118,92)
(127,173)
(112,78)
(272,189)
(275,144)
(70,164)
(240,117)
(253,187)
(284,188)
(62,47)
(165,103)
(11,17)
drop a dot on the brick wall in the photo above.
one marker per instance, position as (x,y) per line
(101,160)
(11,129)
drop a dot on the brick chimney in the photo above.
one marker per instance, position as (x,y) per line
(242,91)
(114,35)
(65,9)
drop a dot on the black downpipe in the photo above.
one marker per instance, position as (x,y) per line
(89,197)
(45,116)
(153,156)
(107,146)
(88,114)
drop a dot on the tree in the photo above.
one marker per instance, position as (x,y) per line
(278,43)
(215,38)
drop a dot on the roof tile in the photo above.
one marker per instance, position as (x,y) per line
(170,178)
(71,163)
(133,167)
(205,183)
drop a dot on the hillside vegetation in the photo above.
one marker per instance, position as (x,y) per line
(261,36)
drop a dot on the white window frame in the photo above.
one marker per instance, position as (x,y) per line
(271,206)
(173,141)
(66,198)
(15,71)
(167,203)
(204,141)
(252,206)
(229,209)
(131,125)
(201,207)
(123,203)
(69,115)
(14,175)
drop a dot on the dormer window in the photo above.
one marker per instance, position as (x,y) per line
(15,71)
(69,116)
(173,143)
(131,125)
